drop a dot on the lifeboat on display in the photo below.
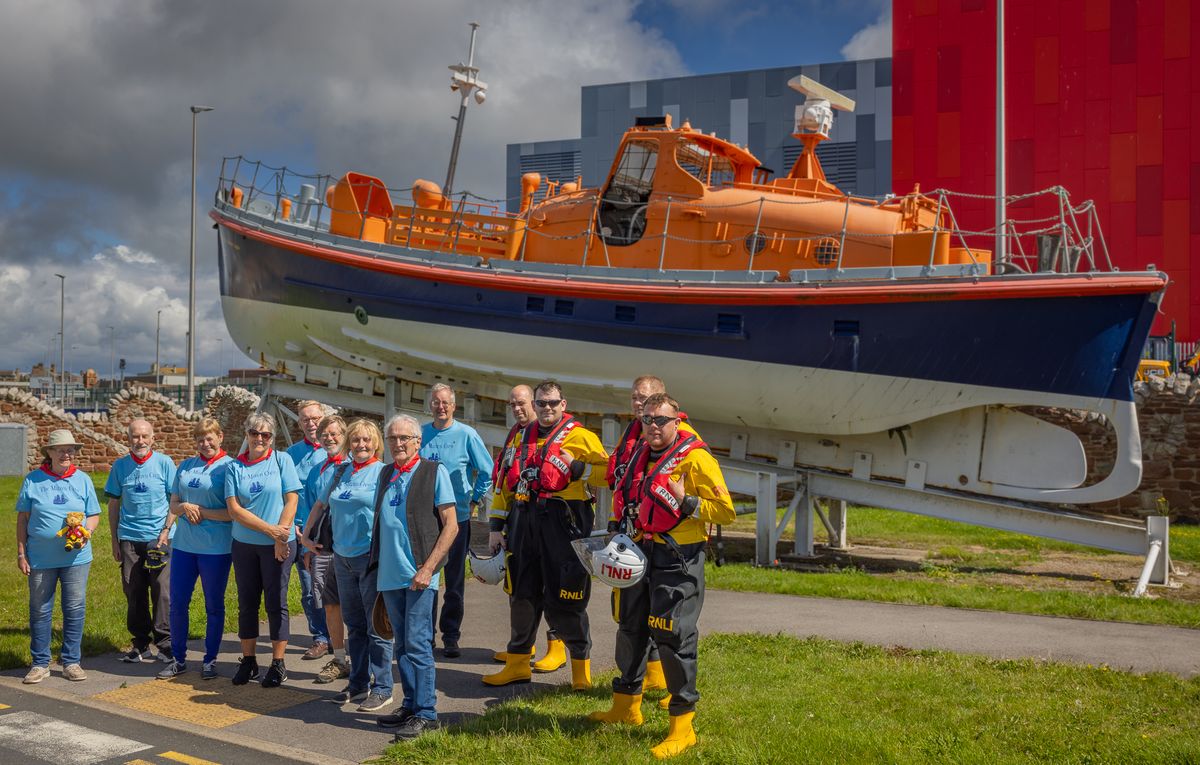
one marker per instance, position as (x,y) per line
(790,319)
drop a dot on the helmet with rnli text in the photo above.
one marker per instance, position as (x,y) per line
(489,570)
(620,563)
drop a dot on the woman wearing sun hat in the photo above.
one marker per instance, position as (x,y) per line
(49,551)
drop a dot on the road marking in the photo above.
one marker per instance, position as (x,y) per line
(57,741)
(186,759)
(138,762)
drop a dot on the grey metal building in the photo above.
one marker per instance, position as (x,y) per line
(755,109)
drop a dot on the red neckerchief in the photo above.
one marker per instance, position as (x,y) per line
(359,466)
(207,463)
(401,470)
(70,471)
(142,461)
(310,443)
(244,457)
(334,460)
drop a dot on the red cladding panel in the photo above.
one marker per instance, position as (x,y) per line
(1123,40)
(1149,130)
(949,149)
(903,152)
(1045,70)
(1195,199)
(1095,15)
(1122,161)
(1097,85)
(1071,150)
(1150,59)
(1177,167)
(949,67)
(1147,249)
(1020,167)
(1176,236)
(1177,33)
(1149,200)
(1123,98)
(1177,94)
(902,83)
(1096,133)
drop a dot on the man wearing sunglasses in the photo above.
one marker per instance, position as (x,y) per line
(672,488)
(551,505)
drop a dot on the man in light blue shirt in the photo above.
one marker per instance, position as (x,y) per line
(139,499)
(307,454)
(462,452)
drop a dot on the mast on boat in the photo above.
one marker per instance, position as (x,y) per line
(465,80)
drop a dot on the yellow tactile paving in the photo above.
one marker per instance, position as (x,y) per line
(5,706)
(212,704)
(138,762)
(186,759)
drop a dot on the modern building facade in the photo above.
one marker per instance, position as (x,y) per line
(755,109)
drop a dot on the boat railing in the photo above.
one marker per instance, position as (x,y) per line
(1067,240)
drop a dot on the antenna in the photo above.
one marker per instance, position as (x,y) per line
(815,115)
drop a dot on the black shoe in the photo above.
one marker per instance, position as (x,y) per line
(450,649)
(276,674)
(394,720)
(414,727)
(247,670)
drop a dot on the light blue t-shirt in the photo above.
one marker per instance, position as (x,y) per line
(396,564)
(203,483)
(463,453)
(318,481)
(48,498)
(352,508)
(145,494)
(305,456)
(259,487)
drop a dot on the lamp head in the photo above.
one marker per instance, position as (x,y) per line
(199,109)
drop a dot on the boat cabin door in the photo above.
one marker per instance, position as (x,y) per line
(624,199)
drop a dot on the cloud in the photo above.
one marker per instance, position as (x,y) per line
(97,131)
(872,41)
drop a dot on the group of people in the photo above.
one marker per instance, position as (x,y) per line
(371,540)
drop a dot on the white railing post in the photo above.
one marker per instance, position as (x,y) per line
(662,250)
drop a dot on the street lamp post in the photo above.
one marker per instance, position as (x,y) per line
(191,340)
(62,341)
(157,369)
(112,356)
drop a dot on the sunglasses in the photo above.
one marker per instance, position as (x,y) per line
(402,440)
(659,421)
(259,433)
(545,403)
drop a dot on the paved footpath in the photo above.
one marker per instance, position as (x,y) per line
(130,717)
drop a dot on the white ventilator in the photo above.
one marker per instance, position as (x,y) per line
(489,570)
(620,563)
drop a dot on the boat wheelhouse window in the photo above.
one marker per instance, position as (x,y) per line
(729,324)
(627,313)
(709,167)
(564,307)
(535,304)
(623,203)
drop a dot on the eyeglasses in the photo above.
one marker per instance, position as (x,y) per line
(402,440)
(543,403)
(259,433)
(658,422)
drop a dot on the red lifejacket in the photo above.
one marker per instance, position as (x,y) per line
(647,490)
(618,463)
(506,456)
(552,474)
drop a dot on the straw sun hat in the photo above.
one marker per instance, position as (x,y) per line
(61,437)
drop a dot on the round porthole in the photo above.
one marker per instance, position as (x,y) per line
(360,313)
(754,243)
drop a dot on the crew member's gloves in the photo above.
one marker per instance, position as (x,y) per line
(689,505)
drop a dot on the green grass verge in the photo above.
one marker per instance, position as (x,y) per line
(771,699)
(104,627)
(941,588)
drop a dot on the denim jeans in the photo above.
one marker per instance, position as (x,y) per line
(411,614)
(213,572)
(315,616)
(370,655)
(454,577)
(42,584)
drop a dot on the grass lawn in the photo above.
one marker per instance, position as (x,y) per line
(772,699)
(104,628)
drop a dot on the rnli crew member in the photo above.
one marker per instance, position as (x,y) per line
(550,506)
(307,454)
(643,387)
(318,546)
(460,449)
(415,525)
(48,495)
(261,489)
(673,487)
(520,401)
(203,541)
(139,499)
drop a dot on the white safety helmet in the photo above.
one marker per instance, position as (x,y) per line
(489,570)
(620,563)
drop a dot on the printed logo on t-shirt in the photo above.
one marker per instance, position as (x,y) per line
(194,483)
(345,494)
(255,487)
(433,457)
(140,487)
(395,500)
(59,499)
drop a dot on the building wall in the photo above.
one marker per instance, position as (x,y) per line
(1100,97)
(755,109)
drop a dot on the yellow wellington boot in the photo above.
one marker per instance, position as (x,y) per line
(665,702)
(502,656)
(556,656)
(625,709)
(654,680)
(516,670)
(680,737)
(581,674)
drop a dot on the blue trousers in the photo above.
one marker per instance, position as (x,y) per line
(42,584)
(370,655)
(317,626)
(213,573)
(454,577)
(411,614)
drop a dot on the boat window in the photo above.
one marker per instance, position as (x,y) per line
(626,313)
(535,304)
(623,205)
(564,307)
(708,167)
(729,324)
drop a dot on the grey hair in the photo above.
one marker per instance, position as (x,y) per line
(407,419)
(438,388)
(260,421)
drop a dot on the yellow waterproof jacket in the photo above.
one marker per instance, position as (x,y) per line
(701,477)
(581,444)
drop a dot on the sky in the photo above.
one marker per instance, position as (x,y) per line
(95,133)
